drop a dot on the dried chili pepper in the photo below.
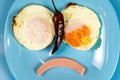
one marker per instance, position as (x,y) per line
(59,28)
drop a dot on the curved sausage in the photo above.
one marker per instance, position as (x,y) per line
(61,62)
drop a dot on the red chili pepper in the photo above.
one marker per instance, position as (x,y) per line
(59,28)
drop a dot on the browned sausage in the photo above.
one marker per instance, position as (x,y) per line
(63,62)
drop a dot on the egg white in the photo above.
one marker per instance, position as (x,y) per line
(22,26)
(79,15)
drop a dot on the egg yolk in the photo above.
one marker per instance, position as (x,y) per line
(78,37)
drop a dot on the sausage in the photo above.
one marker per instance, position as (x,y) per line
(61,62)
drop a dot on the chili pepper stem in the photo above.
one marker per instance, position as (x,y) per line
(54,6)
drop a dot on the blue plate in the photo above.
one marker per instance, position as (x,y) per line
(100,61)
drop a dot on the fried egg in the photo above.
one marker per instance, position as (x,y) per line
(82,27)
(33,27)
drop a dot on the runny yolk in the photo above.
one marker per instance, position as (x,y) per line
(78,37)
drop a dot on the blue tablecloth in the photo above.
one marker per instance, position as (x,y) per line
(4,8)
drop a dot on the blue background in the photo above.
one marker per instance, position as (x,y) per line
(4,8)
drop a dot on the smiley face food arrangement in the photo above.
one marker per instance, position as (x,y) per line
(35,27)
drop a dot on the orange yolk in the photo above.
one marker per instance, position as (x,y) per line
(78,37)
